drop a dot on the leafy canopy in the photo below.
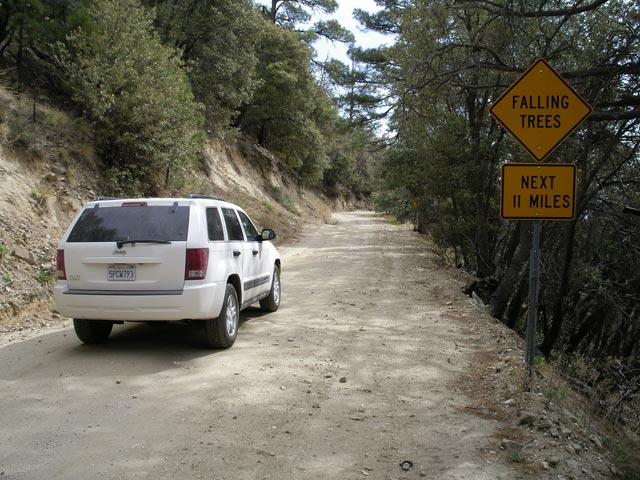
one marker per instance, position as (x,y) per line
(218,41)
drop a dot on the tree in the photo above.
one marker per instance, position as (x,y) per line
(23,24)
(287,111)
(218,41)
(358,88)
(289,13)
(135,92)
(350,159)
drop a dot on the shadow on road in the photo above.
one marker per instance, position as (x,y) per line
(132,349)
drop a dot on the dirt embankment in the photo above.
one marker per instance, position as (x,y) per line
(47,171)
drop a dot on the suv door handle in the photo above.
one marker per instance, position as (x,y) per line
(255,252)
(237,253)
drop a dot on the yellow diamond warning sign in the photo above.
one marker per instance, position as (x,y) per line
(540,109)
(531,191)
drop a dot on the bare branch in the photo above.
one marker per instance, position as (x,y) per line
(501,9)
(608,116)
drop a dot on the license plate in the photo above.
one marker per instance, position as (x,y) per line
(121,273)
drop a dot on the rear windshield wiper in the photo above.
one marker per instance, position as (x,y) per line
(121,243)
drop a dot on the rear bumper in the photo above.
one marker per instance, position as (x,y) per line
(197,302)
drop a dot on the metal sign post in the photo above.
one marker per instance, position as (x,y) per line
(532,309)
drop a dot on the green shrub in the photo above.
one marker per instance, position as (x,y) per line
(125,181)
(283,199)
(45,276)
(626,458)
(516,456)
(40,198)
(135,92)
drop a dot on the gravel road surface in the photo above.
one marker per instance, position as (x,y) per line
(355,376)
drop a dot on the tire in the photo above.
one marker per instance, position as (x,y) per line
(222,332)
(271,303)
(92,331)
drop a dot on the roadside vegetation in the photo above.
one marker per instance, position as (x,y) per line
(156,79)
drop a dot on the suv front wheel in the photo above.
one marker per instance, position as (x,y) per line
(272,301)
(92,331)
(221,332)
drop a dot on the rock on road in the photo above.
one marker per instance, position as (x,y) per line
(353,376)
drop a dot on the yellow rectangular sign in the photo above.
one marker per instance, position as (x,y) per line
(532,191)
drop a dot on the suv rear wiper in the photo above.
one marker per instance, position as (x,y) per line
(121,243)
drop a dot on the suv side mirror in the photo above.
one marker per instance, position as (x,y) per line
(267,234)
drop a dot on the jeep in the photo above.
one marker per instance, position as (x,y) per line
(196,258)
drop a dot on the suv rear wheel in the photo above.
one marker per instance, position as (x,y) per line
(92,331)
(221,332)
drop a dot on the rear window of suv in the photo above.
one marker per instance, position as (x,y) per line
(214,225)
(153,222)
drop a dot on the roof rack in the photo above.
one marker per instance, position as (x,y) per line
(206,197)
(99,199)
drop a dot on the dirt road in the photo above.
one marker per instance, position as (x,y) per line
(358,372)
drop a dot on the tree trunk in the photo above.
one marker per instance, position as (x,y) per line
(563,288)
(500,298)
(20,48)
(630,348)
(586,327)
(262,136)
(513,312)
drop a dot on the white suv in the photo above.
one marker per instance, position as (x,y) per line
(164,259)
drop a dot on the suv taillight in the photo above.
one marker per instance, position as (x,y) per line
(197,261)
(61,271)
